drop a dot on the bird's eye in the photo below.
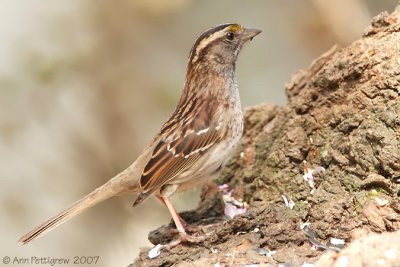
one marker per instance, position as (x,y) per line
(230,36)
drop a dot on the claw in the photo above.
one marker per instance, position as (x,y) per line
(184,238)
(191,238)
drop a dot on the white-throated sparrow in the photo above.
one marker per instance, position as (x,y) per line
(197,139)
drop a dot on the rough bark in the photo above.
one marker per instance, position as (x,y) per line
(343,114)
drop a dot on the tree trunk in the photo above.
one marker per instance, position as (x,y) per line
(341,127)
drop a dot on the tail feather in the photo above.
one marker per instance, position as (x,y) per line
(113,187)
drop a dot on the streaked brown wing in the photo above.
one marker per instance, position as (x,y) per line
(191,131)
(169,159)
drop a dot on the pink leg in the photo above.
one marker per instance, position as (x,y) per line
(183,237)
(175,215)
(186,226)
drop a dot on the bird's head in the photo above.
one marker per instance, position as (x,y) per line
(221,44)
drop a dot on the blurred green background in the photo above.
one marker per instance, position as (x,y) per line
(84,85)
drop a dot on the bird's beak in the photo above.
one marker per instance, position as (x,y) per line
(249,34)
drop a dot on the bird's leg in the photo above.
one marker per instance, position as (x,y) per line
(193,228)
(186,226)
(175,216)
(183,236)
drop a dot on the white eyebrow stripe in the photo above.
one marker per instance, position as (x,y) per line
(205,42)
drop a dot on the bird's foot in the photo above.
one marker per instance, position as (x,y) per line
(195,238)
(185,238)
(191,228)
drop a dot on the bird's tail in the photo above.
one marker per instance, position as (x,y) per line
(119,184)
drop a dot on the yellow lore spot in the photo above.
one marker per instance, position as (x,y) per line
(235,27)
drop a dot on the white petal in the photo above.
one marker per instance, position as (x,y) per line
(155,252)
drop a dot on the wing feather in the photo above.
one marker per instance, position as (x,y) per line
(175,157)
(185,137)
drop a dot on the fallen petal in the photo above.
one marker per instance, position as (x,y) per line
(223,188)
(336,241)
(155,252)
(231,210)
(285,200)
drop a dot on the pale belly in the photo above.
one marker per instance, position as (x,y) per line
(208,170)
